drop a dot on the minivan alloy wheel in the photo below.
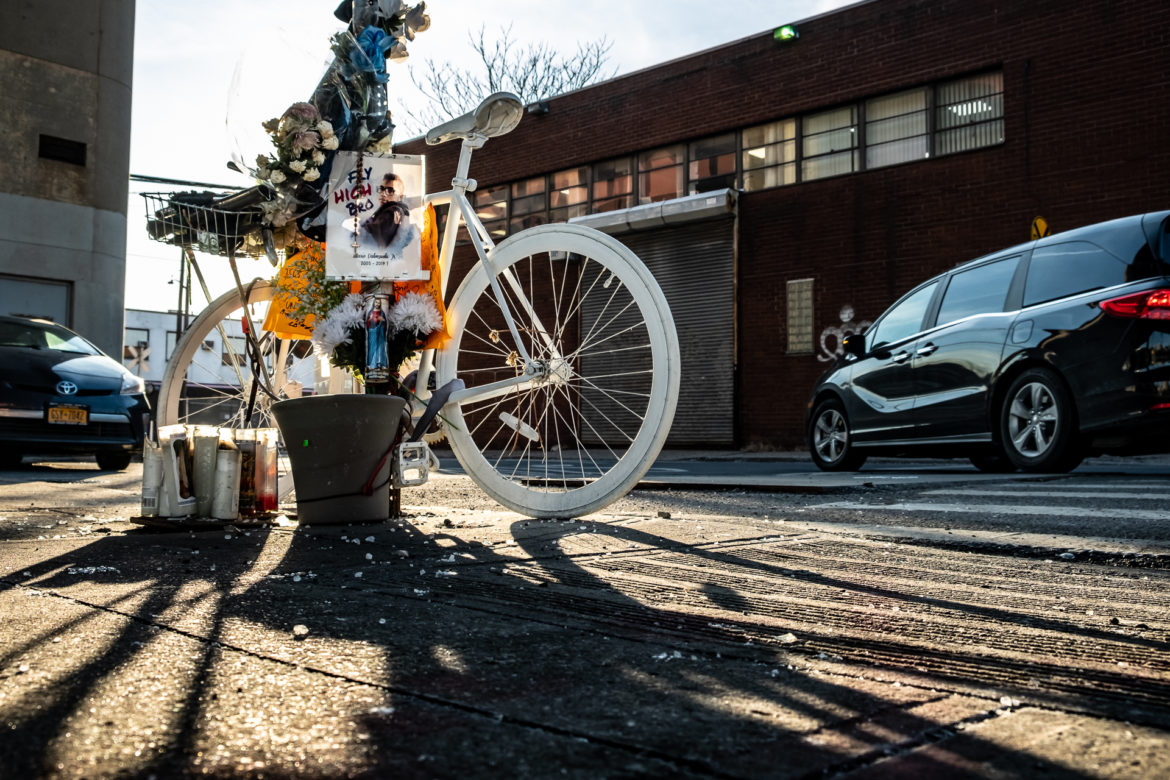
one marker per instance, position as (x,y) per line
(830,435)
(1038,428)
(1033,419)
(829,439)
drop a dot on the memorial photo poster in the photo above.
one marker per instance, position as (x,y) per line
(375,219)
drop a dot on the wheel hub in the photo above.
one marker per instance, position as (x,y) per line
(556,371)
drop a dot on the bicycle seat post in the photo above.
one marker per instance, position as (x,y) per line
(461,183)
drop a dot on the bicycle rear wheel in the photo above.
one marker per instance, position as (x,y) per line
(579,431)
(209,376)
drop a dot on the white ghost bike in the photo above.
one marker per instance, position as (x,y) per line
(562,343)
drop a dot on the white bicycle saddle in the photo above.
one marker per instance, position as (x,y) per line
(498,114)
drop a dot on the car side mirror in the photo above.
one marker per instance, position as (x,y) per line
(854,344)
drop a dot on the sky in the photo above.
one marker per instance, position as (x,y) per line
(207,73)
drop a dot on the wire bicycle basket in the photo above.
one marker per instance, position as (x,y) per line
(211,222)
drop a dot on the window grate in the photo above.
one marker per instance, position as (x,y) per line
(62,150)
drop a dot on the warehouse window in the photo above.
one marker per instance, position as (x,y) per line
(969,113)
(913,124)
(569,194)
(491,205)
(660,174)
(769,155)
(235,350)
(895,129)
(829,143)
(528,204)
(613,185)
(133,341)
(712,165)
(800,317)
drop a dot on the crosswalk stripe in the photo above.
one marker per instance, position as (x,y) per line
(1117,485)
(1003,509)
(1049,494)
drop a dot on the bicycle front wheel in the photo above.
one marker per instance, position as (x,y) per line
(210,378)
(577,427)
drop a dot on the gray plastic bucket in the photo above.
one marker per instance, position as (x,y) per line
(335,444)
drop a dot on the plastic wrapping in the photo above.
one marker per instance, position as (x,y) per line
(377,368)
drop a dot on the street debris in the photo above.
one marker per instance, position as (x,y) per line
(92,570)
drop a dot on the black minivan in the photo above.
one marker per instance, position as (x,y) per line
(1030,358)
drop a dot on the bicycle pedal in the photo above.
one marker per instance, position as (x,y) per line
(413,463)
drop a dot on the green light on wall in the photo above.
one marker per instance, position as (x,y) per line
(786,33)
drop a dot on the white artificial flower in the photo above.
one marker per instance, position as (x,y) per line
(397,52)
(297,166)
(318,157)
(415,312)
(312,174)
(325,129)
(278,212)
(333,329)
(278,176)
(262,161)
(330,142)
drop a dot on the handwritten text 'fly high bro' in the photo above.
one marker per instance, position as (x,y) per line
(357,198)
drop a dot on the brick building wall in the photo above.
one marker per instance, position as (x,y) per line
(1087,138)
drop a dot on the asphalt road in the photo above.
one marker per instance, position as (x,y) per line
(946,624)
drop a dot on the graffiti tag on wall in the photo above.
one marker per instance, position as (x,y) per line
(833,337)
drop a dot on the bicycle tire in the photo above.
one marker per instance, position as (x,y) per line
(611,361)
(193,389)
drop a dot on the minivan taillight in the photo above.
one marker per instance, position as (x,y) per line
(1148,305)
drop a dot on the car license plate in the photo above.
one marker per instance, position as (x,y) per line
(68,414)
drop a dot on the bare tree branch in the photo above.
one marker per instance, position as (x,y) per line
(534,72)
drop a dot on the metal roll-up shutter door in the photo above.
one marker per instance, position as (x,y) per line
(694,265)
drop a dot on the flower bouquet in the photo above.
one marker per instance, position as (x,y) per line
(303,143)
(301,138)
(371,333)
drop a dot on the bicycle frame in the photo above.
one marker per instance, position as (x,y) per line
(461,211)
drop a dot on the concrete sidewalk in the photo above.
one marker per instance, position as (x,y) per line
(465,641)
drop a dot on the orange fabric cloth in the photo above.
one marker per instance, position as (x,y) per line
(434,285)
(292,277)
